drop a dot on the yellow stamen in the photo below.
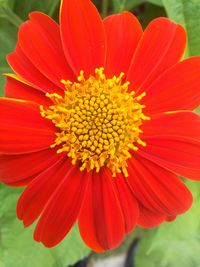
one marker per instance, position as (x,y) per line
(98,121)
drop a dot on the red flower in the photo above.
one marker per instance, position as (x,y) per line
(70,121)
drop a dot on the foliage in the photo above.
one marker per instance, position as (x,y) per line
(17,246)
(186,13)
(171,245)
(174,244)
(8,34)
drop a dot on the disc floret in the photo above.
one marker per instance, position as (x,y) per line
(98,121)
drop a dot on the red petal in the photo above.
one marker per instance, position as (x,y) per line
(25,69)
(177,88)
(173,141)
(123,32)
(19,89)
(177,154)
(83,35)
(14,169)
(22,129)
(157,189)
(149,219)
(127,202)
(35,197)
(161,46)
(101,221)
(170,218)
(179,123)
(62,209)
(45,51)
(23,182)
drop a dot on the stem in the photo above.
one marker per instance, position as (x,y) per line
(83,262)
(131,253)
(122,6)
(11,16)
(105,4)
(53,7)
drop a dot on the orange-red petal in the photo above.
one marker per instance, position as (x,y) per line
(149,219)
(19,89)
(45,52)
(36,196)
(127,202)
(162,45)
(177,88)
(83,35)
(123,32)
(25,69)
(156,188)
(19,168)
(177,123)
(22,129)
(62,209)
(101,221)
(173,141)
(179,155)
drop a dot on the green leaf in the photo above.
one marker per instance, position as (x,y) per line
(151,12)
(7,13)
(174,244)
(121,5)
(9,3)
(198,110)
(8,35)
(17,247)
(156,2)
(46,6)
(186,13)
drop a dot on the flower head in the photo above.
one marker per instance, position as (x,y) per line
(97,124)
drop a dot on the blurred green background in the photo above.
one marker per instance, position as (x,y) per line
(175,244)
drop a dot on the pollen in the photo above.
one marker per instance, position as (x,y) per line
(98,121)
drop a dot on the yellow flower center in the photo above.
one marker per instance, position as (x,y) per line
(98,121)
